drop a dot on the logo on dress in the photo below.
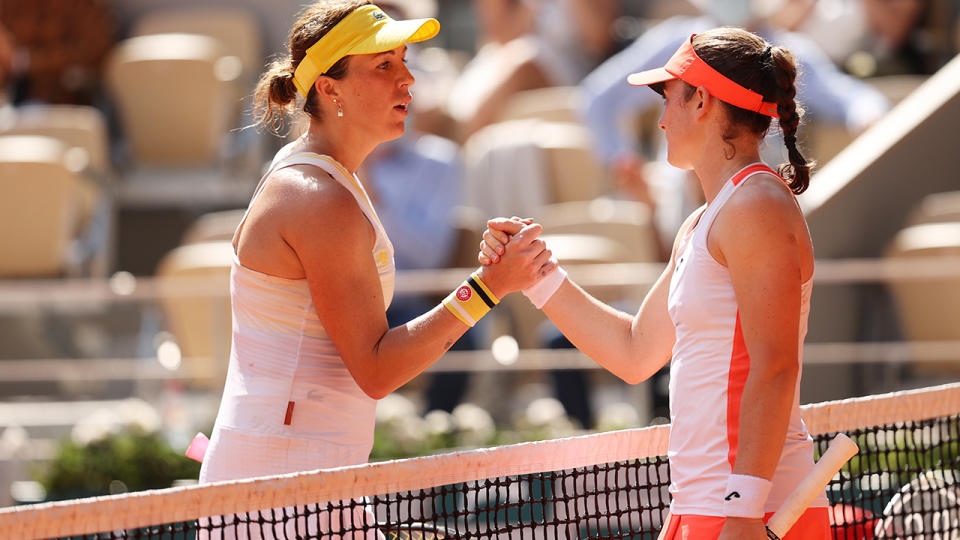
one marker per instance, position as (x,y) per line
(377,15)
(464,293)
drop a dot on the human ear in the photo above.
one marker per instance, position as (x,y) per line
(327,88)
(703,101)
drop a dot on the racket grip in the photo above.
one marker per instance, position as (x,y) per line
(841,449)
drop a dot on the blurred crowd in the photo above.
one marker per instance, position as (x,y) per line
(520,107)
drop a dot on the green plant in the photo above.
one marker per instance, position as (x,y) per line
(128,460)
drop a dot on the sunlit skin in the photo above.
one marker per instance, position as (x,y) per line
(306,225)
(684,143)
(374,96)
(759,235)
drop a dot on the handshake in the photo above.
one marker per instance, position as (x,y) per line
(515,258)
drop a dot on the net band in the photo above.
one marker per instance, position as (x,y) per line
(908,439)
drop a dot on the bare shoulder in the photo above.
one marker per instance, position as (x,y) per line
(760,218)
(763,200)
(762,191)
(313,207)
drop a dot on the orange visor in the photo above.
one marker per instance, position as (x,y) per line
(690,68)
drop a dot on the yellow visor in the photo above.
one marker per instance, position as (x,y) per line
(366,30)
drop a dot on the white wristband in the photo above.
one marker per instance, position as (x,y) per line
(745,496)
(540,292)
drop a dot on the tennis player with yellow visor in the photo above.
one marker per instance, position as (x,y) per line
(366,30)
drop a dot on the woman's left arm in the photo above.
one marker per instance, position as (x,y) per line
(761,237)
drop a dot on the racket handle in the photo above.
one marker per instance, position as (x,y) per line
(841,449)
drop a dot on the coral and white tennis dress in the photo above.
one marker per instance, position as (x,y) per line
(289,404)
(708,372)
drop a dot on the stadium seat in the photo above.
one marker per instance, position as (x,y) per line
(936,208)
(235,27)
(627,223)
(552,104)
(174,94)
(518,166)
(46,206)
(200,322)
(76,125)
(574,173)
(213,227)
(928,308)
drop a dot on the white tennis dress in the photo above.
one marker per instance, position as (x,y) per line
(289,403)
(707,376)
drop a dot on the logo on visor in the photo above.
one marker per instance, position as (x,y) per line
(377,15)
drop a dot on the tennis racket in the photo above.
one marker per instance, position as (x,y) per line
(841,449)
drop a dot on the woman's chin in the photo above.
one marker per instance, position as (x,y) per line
(683,164)
(396,133)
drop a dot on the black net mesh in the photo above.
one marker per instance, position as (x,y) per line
(904,483)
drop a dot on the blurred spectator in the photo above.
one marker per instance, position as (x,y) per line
(878,37)
(519,52)
(63,43)
(580,30)
(612,105)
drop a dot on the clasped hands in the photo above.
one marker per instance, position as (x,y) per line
(512,255)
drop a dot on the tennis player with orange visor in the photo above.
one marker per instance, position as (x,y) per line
(730,310)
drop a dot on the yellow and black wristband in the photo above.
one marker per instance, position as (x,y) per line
(471,300)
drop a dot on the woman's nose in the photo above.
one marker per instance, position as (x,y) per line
(407,78)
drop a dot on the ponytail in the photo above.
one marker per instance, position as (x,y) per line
(784,71)
(275,95)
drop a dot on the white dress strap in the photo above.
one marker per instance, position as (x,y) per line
(339,173)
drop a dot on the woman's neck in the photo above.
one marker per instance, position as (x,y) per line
(343,145)
(715,168)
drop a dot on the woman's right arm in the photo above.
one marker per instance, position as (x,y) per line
(632,347)
(333,241)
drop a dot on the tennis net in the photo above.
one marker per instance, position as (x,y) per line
(905,483)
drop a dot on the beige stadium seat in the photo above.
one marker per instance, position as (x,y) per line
(553,104)
(936,208)
(84,130)
(627,224)
(574,172)
(213,227)
(235,27)
(174,94)
(929,310)
(200,320)
(46,201)
(77,125)
(518,166)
